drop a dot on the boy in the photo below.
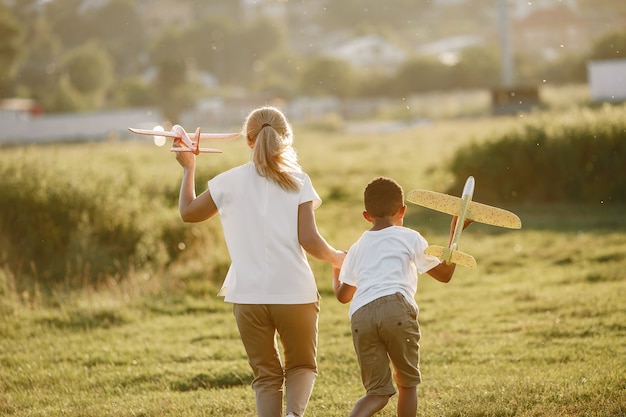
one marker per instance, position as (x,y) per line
(379,276)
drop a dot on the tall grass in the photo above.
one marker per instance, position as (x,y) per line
(82,215)
(577,157)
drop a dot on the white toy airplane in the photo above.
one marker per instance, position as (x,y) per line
(464,208)
(182,138)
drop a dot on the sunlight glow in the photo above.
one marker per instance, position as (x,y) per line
(159,140)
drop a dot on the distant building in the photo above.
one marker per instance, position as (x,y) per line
(550,33)
(158,14)
(448,50)
(271,9)
(445,3)
(12,108)
(521,9)
(370,52)
(607,80)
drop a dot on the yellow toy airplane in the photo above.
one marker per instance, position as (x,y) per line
(182,138)
(465,208)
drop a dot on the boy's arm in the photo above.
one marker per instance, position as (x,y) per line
(444,271)
(343,291)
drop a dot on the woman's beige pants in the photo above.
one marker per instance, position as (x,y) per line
(296,325)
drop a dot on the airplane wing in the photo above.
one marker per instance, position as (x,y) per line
(437,201)
(154,132)
(492,215)
(203,150)
(177,135)
(219,135)
(476,211)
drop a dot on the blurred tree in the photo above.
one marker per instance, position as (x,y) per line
(225,9)
(340,15)
(170,54)
(23,9)
(89,71)
(63,97)
(118,27)
(279,74)
(326,76)
(69,20)
(254,54)
(37,72)
(374,85)
(247,49)
(420,74)
(616,8)
(88,68)
(133,91)
(207,41)
(611,46)
(478,67)
(11,34)
(568,69)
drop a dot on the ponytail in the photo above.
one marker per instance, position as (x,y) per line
(273,155)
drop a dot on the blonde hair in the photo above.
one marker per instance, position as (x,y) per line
(269,134)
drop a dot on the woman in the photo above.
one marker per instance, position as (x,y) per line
(266,209)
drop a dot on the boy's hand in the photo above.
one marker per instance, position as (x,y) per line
(343,292)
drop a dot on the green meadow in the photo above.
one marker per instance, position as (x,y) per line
(122,318)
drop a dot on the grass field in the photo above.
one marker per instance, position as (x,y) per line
(539,329)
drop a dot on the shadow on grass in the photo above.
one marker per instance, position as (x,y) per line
(208,381)
(175,306)
(85,320)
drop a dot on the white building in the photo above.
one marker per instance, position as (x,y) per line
(369,52)
(607,80)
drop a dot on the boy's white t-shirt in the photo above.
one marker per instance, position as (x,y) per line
(260,223)
(384,262)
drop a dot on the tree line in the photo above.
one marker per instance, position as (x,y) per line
(72,57)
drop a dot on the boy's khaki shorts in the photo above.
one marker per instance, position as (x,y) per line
(387,329)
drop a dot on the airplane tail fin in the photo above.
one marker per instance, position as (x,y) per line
(451,256)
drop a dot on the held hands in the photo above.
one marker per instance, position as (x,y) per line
(343,292)
(339,257)
(336,268)
(335,274)
(336,265)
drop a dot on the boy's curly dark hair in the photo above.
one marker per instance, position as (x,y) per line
(383,197)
